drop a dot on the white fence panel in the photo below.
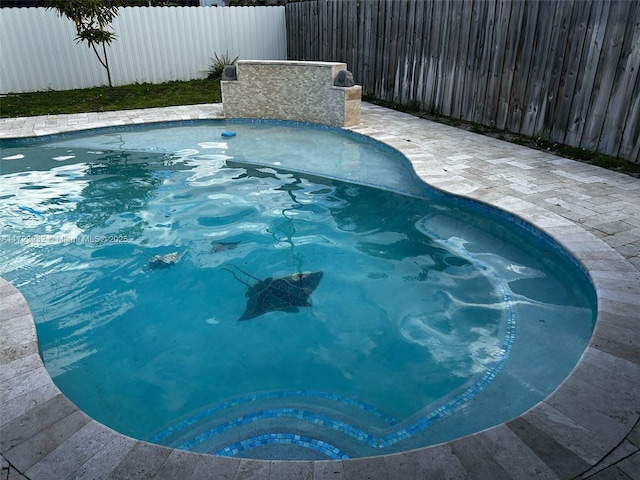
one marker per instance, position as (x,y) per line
(154,44)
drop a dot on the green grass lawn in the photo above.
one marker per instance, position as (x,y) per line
(103,99)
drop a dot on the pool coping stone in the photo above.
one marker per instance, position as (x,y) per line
(587,428)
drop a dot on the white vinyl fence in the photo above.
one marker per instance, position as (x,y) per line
(38,50)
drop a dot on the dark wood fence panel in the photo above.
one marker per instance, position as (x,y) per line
(566,70)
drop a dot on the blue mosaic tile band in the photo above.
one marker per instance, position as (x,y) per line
(193,419)
(507,345)
(283,439)
(316,419)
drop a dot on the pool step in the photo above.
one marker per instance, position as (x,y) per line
(307,419)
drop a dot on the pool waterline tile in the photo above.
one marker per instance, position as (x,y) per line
(430,144)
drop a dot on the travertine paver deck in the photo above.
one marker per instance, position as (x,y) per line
(588,428)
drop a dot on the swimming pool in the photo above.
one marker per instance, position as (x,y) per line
(142,177)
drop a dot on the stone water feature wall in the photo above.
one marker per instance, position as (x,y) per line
(285,90)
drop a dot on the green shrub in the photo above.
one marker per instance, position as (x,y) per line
(219,62)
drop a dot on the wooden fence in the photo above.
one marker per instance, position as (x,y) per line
(566,70)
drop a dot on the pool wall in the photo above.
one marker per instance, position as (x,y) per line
(588,426)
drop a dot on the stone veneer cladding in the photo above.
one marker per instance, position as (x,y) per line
(286,90)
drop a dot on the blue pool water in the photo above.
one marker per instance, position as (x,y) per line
(140,249)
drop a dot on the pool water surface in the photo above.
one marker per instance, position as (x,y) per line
(141,251)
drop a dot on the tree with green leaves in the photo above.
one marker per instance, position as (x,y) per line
(92,19)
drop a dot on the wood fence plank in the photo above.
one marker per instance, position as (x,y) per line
(343,32)
(443,57)
(463,40)
(422,52)
(312,13)
(450,64)
(340,33)
(523,66)
(336,33)
(393,46)
(399,52)
(384,32)
(353,57)
(312,28)
(410,38)
(496,65)
(588,68)
(414,59)
(315,52)
(381,26)
(388,52)
(321,9)
(381,29)
(509,64)
(606,73)
(374,54)
(304,31)
(289,18)
(466,105)
(368,37)
(360,46)
(483,59)
(538,72)
(473,54)
(327,16)
(303,48)
(555,66)
(570,71)
(300,33)
(630,143)
(336,53)
(620,113)
(431,55)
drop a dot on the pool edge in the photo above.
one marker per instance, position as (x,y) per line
(591,399)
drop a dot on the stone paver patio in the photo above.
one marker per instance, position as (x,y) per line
(587,428)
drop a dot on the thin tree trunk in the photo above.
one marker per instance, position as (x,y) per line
(106,64)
